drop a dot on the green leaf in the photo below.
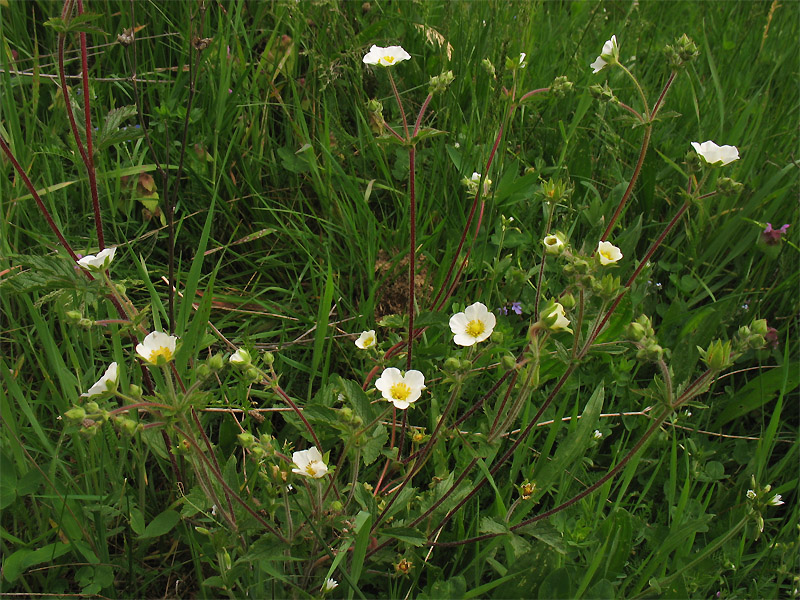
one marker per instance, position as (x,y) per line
(137,521)
(357,399)
(372,448)
(406,534)
(758,392)
(162,524)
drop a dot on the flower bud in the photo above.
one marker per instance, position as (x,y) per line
(465,364)
(269,358)
(246,439)
(215,362)
(497,337)
(567,301)
(508,362)
(561,85)
(203,371)
(636,332)
(554,243)
(439,83)
(135,391)
(602,92)
(76,414)
(760,326)
(717,356)
(451,365)
(336,506)
(74,316)
(728,187)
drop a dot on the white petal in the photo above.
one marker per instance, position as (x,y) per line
(415,379)
(463,339)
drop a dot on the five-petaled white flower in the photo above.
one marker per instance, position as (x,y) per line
(240,358)
(329,585)
(107,383)
(553,243)
(385,57)
(473,325)
(751,495)
(555,313)
(610,53)
(608,253)
(309,463)
(401,390)
(714,154)
(366,339)
(99,262)
(157,348)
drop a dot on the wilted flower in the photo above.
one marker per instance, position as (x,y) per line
(329,585)
(473,325)
(553,243)
(157,347)
(401,390)
(98,263)
(240,358)
(522,62)
(385,57)
(107,383)
(554,317)
(309,463)
(366,339)
(608,253)
(772,237)
(609,55)
(714,154)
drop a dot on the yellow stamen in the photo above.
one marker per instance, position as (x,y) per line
(162,351)
(389,59)
(475,328)
(310,469)
(400,391)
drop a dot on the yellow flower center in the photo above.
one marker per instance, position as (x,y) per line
(607,254)
(162,351)
(475,328)
(400,391)
(310,469)
(368,341)
(389,59)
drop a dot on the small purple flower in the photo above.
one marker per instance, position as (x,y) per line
(772,237)
(772,337)
(503,310)
(517,307)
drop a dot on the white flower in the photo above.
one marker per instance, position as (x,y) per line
(553,243)
(98,263)
(556,314)
(366,339)
(385,57)
(329,585)
(240,357)
(775,500)
(474,181)
(751,495)
(714,154)
(401,390)
(608,253)
(610,53)
(522,62)
(107,383)
(157,348)
(597,434)
(473,325)
(309,463)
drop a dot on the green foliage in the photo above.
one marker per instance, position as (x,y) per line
(291,235)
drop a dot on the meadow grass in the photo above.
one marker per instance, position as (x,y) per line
(291,235)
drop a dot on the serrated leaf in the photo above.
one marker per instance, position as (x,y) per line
(489,525)
(372,448)
(357,399)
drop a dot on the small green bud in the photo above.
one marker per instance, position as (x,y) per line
(202,530)
(508,362)
(74,316)
(135,391)
(336,506)
(760,326)
(127,426)
(451,365)
(717,356)
(728,187)
(269,358)
(681,53)
(602,92)
(465,364)
(744,332)
(92,408)
(252,374)
(85,323)
(246,439)
(203,371)
(694,164)
(636,332)
(497,337)
(561,85)
(567,301)
(215,363)
(347,414)
(439,83)
(375,106)
(75,414)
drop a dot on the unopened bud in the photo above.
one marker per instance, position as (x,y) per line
(561,85)
(74,316)
(215,363)
(451,365)
(636,332)
(567,301)
(246,439)
(728,187)
(439,83)
(269,358)
(76,414)
(489,68)
(508,362)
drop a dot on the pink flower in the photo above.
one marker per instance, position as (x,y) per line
(772,237)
